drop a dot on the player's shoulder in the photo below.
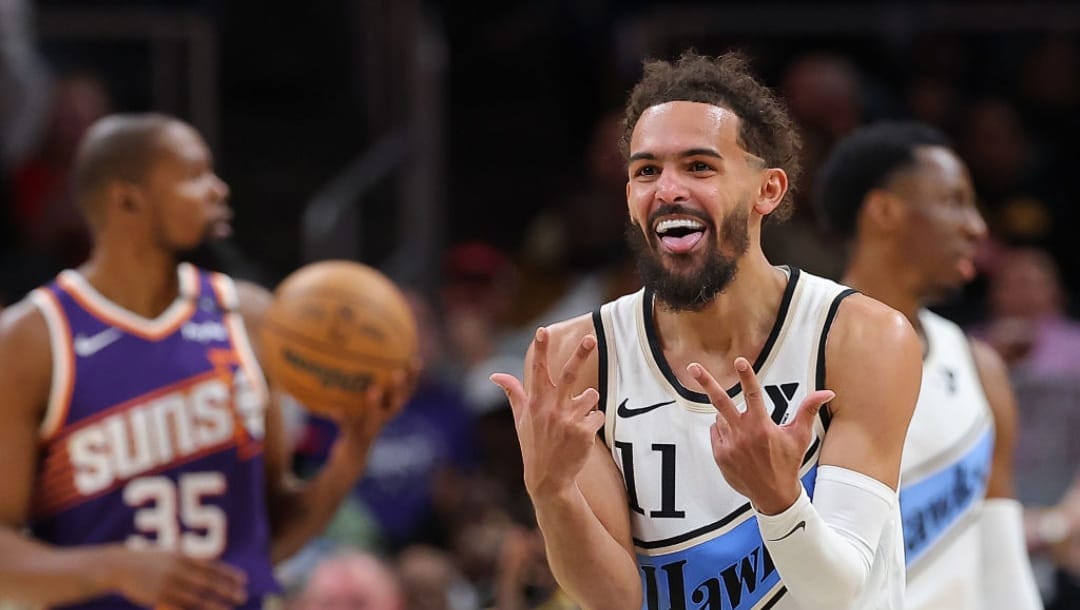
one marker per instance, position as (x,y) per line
(869,336)
(866,324)
(252,298)
(26,351)
(23,325)
(988,362)
(565,336)
(249,297)
(252,302)
(994,377)
(562,339)
(873,357)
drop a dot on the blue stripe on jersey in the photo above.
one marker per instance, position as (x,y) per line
(731,572)
(932,505)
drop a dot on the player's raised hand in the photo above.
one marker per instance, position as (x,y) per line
(555,427)
(164,579)
(759,458)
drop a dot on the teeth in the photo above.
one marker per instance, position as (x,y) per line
(678,223)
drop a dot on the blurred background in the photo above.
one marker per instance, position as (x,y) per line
(470,152)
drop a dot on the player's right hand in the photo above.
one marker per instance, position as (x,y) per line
(556,429)
(759,458)
(168,580)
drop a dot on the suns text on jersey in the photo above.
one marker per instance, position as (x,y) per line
(191,419)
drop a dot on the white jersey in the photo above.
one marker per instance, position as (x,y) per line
(944,471)
(696,539)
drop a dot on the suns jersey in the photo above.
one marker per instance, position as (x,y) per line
(944,473)
(696,539)
(153,433)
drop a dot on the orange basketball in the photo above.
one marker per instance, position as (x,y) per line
(334,329)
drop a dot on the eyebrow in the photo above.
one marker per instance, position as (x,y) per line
(692,152)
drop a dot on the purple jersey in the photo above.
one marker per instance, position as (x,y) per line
(153,435)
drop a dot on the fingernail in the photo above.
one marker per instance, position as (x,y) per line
(589,342)
(540,334)
(694,369)
(741,364)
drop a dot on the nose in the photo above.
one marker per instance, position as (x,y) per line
(221,190)
(670,188)
(974,224)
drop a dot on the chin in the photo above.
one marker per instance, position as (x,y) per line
(682,266)
(943,291)
(203,253)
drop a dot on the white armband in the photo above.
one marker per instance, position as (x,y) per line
(1008,581)
(824,550)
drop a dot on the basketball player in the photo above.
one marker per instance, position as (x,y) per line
(905,201)
(710,385)
(137,445)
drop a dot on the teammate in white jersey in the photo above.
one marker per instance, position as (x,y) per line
(905,200)
(709,384)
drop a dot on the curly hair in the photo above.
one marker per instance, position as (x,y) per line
(765,128)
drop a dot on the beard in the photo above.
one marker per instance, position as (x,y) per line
(210,252)
(704,275)
(203,253)
(207,254)
(223,255)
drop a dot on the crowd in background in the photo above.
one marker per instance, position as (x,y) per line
(441,520)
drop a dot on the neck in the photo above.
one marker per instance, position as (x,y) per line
(137,277)
(885,278)
(737,322)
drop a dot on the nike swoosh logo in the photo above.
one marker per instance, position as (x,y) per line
(801,525)
(625,411)
(88,346)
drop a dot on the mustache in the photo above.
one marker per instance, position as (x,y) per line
(672,209)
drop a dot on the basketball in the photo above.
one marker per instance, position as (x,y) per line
(333,330)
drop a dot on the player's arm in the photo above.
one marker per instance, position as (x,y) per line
(31,571)
(575,487)
(874,364)
(1006,569)
(301,510)
(824,550)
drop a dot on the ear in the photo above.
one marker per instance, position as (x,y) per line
(882,211)
(124,197)
(771,192)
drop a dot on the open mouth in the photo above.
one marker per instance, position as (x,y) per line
(679,235)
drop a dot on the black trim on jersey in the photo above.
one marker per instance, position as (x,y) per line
(776,598)
(665,368)
(601,377)
(704,529)
(826,413)
(810,452)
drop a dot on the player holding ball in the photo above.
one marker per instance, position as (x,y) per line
(142,448)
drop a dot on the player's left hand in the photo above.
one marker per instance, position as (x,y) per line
(359,426)
(757,457)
